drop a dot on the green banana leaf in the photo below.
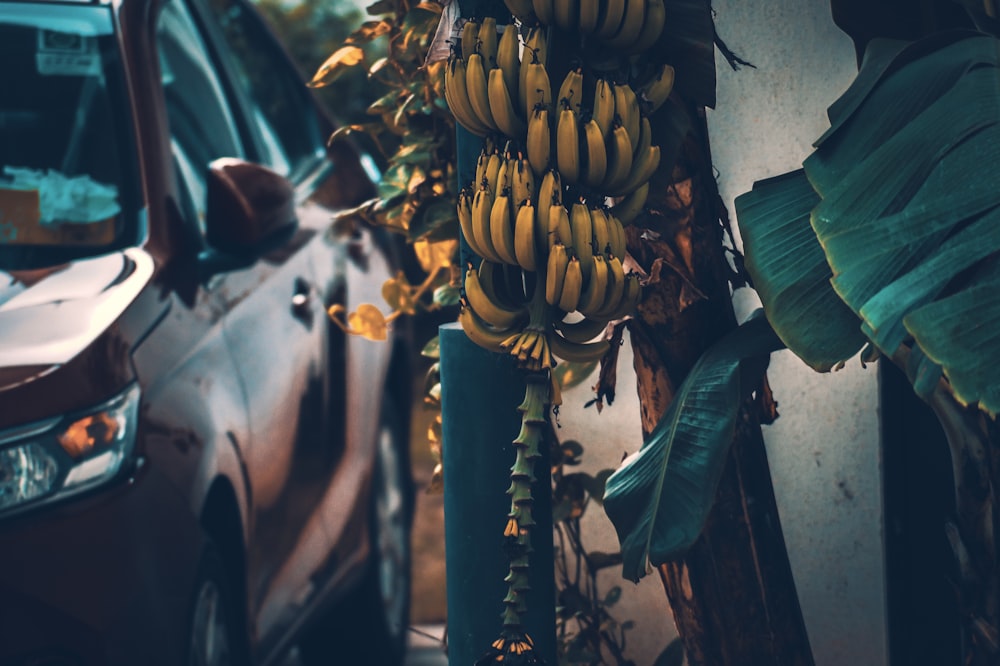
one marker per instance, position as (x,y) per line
(908,219)
(659,498)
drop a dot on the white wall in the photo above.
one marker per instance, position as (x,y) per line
(824,448)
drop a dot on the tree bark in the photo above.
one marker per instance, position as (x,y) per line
(733,595)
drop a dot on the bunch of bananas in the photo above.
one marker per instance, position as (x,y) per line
(630,25)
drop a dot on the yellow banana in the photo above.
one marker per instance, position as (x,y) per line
(559,229)
(522,10)
(619,240)
(578,352)
(602,229)
(652,26)
(539,141)
(538,89)
(502,227)
(523,185)
(645,137)
(481,162)
(588,13)
(489,310)
(535,50)
(571,90)
(555,273)
(615,289)
(480,332)
(641,171)
(609,18)
(506,118)
(596,290)
(584,330)
(658,89)
(604,104)
(630,298)
(494,280)
(565,14)
(488,41)
(479,96)
(525,248)
(457,96)
(631,25)
(629,208)
(482,206)
(582,232)
(627,108)
(492,176)
(619,158)
(544,10)
(549,192)
(569,296)
(595,163)
(470,38)
(568,145)
(465,220)
(510,63)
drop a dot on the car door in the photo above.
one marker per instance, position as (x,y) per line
(275,324)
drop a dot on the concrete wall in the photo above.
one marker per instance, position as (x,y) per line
(824,449)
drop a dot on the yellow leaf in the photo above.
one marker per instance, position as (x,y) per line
(342,58)
(399,295)
(435,255)
(368,322)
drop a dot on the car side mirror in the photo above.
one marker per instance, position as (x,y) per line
(249,208)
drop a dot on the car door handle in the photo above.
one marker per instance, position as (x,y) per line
(302,301)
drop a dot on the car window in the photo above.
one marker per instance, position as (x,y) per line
(67,161)
(202,126)
(280,102)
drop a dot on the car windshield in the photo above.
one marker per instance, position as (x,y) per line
(67,187)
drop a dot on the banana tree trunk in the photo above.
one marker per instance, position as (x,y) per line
(733,595)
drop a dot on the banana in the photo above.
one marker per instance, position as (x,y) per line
(457,96)
(602,229)
(584,330)
(482,204)
(568,145)
(571,90)
(658,89)
(488,41)
(627,108)
(614,291)
(596,290)
(609,18)
(492,175)
(544,10)
(588,13)
(559,229)
(641,171)
(481,162)
(631,25)
(523,185)
(652,26)
(549,192)
(525,248)
(582,232)
(535,50)
(569,296)
(470,37)
(565,14)
(645,137)
(522,10)
(538,89)
(619,240)
(630,298)
(595,152)
(578,352)
(509,62)
(479,96)
(489,310)
(628,209)
(502,227)
(604,104)
(494,279)
(555,273)
(539,141)
(501,106)
(465,220)
(480,332)
(619,158)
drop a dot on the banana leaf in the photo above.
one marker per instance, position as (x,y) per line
(909,215)
(659,498)
(688,43)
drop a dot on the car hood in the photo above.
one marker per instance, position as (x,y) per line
(49,316)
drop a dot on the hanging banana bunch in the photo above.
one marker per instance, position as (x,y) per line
(565,166)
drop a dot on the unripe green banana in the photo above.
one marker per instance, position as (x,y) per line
(502,227)
(489,310)
(555,273)
(568,145)
(479,96)
(539,141)
(595,153)
(525,247)
(569,296)
(506,118)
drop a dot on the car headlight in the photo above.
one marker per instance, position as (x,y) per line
(66,455)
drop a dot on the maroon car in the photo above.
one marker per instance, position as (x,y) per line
(196,467)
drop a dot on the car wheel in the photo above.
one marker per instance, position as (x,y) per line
(369,628)
(214,635)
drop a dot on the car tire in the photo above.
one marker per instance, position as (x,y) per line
(214,638)
(370,626)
